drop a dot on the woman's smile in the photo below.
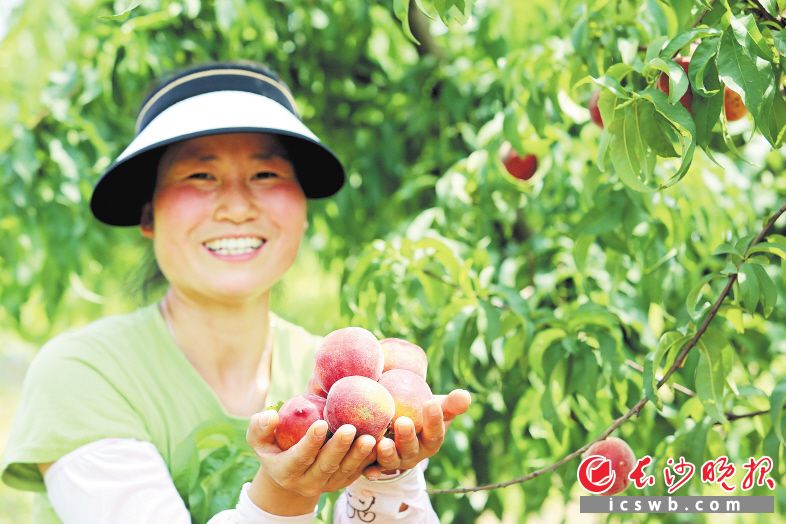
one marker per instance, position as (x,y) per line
(235,247)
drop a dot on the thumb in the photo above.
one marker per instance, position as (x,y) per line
(261,427)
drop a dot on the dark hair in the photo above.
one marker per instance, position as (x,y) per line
(146,282)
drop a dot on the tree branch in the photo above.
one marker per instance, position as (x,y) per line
(678,362)
(760,9)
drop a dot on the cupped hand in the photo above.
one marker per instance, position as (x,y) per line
(310,468)
(408,448)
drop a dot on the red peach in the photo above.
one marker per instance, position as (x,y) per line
(400,354)
(295,417)
(314,388)
(362,402)
(622,461)
(346,352)
(663,83)
(733,105)
(522,167)
(595,110)
(409,392)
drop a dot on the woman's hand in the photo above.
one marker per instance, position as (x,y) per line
(290,482)
(407,449)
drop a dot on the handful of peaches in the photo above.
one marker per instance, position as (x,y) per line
(358,380)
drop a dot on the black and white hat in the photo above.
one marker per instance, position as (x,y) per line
(209,100)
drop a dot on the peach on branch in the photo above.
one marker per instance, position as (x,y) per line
(295,417)
(410,392)
(401,354)
(622,461)
(595,110)
(346,352)
(522,167)
(362,402)
(663,83)
(733,105)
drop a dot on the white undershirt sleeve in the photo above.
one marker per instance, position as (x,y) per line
(125,481)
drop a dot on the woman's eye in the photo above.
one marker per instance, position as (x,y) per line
(265,174)
(199,176)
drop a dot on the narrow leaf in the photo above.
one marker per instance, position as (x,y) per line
(777,401)
(710,383)
(749,288)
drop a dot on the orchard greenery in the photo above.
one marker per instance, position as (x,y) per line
(558,301)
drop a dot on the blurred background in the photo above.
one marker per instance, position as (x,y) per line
(555,296)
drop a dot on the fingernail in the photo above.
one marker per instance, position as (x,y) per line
(347,435)
(264,420)
(320,431)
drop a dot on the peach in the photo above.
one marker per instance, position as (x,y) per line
(295,417)
(362,402)
(350,351)
(400,354)
(622,461)
(409,392)
(314,388)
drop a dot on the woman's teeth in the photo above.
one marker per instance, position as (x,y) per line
(234,246)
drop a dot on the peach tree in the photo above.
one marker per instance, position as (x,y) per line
(632,285)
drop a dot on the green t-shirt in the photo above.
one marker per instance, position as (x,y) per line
(124,377)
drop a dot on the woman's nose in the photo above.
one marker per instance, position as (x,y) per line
(236,202)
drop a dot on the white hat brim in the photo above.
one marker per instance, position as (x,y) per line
(132,176)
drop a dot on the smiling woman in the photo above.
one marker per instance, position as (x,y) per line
(229,214)
(119,421)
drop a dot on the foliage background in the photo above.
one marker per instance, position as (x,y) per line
(539,297)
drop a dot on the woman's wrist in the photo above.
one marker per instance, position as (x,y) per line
(268,496)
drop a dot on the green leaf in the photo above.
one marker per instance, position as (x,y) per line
(401,10)
(702,63)
(668,341)
(773,126)
(633,160)
(749,36)
(692,300)
(683,39)
(678,80)
(774,248)
(769,293)
(490,323)
(777,401)
(727,249)
(749,288)
(779,38)
(226,14)
(540,343)
(684,126)
(710,382)
(771,6)
(738,71)
(657,133)
(123,13)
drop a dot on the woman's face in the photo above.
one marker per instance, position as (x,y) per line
(228,216)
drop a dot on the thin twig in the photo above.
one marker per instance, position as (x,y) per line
(763,12)
(689,392)
(677,387)
(640,404)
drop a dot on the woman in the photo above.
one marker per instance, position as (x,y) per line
(113,415)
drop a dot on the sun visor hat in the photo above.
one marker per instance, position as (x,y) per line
(209,100)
